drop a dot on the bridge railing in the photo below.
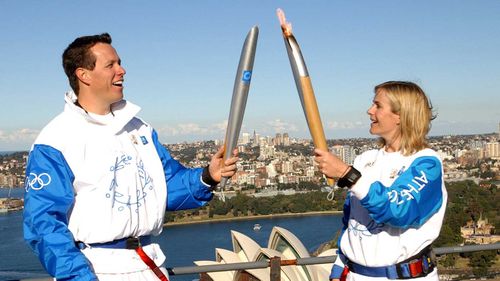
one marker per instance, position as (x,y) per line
(276,263)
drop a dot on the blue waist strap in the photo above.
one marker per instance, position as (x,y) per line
(414,268)
(123,243)
(382,271)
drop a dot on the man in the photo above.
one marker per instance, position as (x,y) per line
(99,181)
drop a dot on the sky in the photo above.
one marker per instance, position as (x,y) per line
(181,59)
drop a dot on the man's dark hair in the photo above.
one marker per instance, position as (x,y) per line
(78,54)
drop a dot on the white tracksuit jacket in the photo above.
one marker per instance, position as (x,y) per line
(96,179)
(394,211)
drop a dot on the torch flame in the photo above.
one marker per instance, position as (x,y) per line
(285,26)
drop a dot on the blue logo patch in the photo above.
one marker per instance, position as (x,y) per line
(247,76)
(144,140)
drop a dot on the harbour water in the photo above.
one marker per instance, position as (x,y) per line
(182,244)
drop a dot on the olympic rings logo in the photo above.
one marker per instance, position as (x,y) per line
(37,182)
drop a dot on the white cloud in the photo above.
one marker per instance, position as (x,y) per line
(193,129)
(221,127)
(345,125)
(280,126)
(22,135)
(20,139)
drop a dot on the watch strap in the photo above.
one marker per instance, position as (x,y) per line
(350,178)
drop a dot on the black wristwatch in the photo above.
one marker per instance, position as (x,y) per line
(350,178)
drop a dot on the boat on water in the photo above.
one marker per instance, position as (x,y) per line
(10,204)
(256,227)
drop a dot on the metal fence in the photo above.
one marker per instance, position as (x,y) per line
(276,263)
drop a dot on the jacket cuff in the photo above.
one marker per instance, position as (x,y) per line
(207,179)
(336,272)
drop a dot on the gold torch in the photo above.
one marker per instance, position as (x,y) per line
(304,86)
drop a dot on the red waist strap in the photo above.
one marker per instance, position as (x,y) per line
(149,262)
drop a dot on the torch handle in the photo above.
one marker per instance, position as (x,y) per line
(225,156)
(313,118)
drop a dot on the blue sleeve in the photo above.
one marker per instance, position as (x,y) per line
(48,201)
(413,197)
(185,190)
(338,266)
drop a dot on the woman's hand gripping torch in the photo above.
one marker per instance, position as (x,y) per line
(240,94)
(304,86)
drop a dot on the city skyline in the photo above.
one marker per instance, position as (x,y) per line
(181,59)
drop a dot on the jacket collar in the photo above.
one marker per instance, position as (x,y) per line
(123,111)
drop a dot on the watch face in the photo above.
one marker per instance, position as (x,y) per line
(357,174)
(354,177)
(350,178)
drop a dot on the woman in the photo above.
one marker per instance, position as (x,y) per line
(397,197)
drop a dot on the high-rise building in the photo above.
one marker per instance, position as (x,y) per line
(493,149)
(286,167)
(256,139)
(345,152)
(278,140)
(245,138)
(269,140)
(286,139)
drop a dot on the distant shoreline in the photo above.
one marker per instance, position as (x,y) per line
(253,217)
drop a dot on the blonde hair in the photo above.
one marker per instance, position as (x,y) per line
(409,101)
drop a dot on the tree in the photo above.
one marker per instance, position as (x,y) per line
(449,260)
(448,237)
(218,207)
(169,217)
(264,206)
(299,205)
(239,204)
(481,262)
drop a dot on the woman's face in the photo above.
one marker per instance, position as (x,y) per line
(384,122)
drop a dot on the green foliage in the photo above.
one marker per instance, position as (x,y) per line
(449,260)
(448,237)
(284,186)
(241,204)
(263,207)
(467,201)
(480,262)
(306,185)
(169,217)
(339,198)
(218,207)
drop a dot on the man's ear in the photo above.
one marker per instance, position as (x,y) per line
(83,75)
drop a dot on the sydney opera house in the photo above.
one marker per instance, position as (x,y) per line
(282,243)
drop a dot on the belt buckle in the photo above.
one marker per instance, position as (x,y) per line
(133,243)
(416,268)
